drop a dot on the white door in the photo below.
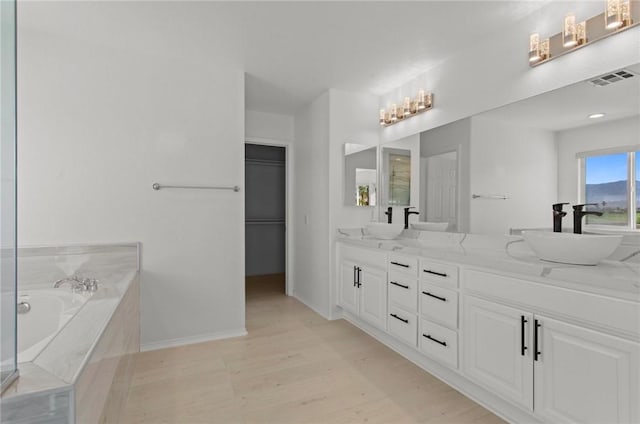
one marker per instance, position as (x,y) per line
(348,291)
(373,297)
(497,352)
(442,183)
(583,376)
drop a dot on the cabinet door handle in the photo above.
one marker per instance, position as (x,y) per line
(406,321)
(523,322)
(428,336)
(359,271)
(536,352)
(398,284)
(439,274)
(355,276)
(399,264)
(444,299)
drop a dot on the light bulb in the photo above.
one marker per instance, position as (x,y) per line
(569,36)
(534,48)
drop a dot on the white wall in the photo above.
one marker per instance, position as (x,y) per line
(97,127)
(455,136)
(311,273)
(518,162)
(494,71)
(623,132)
(269,126)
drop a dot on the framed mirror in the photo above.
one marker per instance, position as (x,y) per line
(360,175)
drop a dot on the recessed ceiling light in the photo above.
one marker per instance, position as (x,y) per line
(596,115)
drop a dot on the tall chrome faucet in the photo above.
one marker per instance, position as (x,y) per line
(579,213)
(558,214)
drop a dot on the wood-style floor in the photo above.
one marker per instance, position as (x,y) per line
(293,367)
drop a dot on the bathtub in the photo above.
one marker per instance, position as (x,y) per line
(51,309)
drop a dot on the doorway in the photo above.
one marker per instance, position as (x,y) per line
(265,220)
(441,189)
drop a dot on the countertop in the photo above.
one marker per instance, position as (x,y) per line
(510,256)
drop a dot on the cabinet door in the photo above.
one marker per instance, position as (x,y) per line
(373,297)
(496,349)
(584,376)
(348,292)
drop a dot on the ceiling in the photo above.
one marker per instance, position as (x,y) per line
(291,51)
(570,106)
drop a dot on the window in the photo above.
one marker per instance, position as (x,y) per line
(609,180)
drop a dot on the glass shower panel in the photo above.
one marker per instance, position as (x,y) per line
(8,362)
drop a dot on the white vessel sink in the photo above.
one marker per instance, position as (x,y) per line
(430,226)
(383,231)
(567,248)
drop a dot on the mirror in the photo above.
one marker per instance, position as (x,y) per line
(397,176)
(515,161)
(360,175)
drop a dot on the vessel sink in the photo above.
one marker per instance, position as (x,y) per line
(430,226)
(383,231)
(575,249)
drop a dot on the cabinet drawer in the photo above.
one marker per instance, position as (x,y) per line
(403,291)
(404,264)
(402,324)
(439,304)
(439,273)
(372,258)
(439,343)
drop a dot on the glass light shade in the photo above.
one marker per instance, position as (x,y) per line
(581,32)
(421,104)
(394,113)
(544,49)
(382,114)
(569,35)
(406,106)
(534,48)
(613,14)
(625,12)
(428,100)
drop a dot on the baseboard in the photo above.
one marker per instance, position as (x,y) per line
(182,341)
(310,306)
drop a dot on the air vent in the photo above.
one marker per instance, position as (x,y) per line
(612,77)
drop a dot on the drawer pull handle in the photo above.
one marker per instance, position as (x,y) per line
(399,264)
(406,321)
(398,284)
(439,274)
(434,340)
(444,299)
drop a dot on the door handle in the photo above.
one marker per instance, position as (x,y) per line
(359,271)
(523,322)
(536,352)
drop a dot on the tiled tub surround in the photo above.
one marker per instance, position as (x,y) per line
(497,293)
(81,375)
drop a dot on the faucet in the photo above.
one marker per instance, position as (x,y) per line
(558,214)
(78,284)
(389,214)
(407,212)
(578,213)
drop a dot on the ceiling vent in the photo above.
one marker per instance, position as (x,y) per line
(612,77)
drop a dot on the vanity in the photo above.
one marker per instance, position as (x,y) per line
(531,341)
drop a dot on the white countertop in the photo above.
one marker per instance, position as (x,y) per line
(509,255)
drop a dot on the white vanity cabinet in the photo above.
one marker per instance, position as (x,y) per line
(564,373)
(362,287)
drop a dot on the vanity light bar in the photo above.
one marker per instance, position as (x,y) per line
(408,108)
(619,15)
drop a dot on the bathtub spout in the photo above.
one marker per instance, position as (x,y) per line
(78,284)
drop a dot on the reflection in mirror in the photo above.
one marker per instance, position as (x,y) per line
(360,175)
(577,144)
(397,176)
(441,191)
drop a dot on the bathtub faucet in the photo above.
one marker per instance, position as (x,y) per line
(78,284)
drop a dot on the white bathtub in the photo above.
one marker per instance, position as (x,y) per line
(51,310)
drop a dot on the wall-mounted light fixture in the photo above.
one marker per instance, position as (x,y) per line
(410,107)
(619,15)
